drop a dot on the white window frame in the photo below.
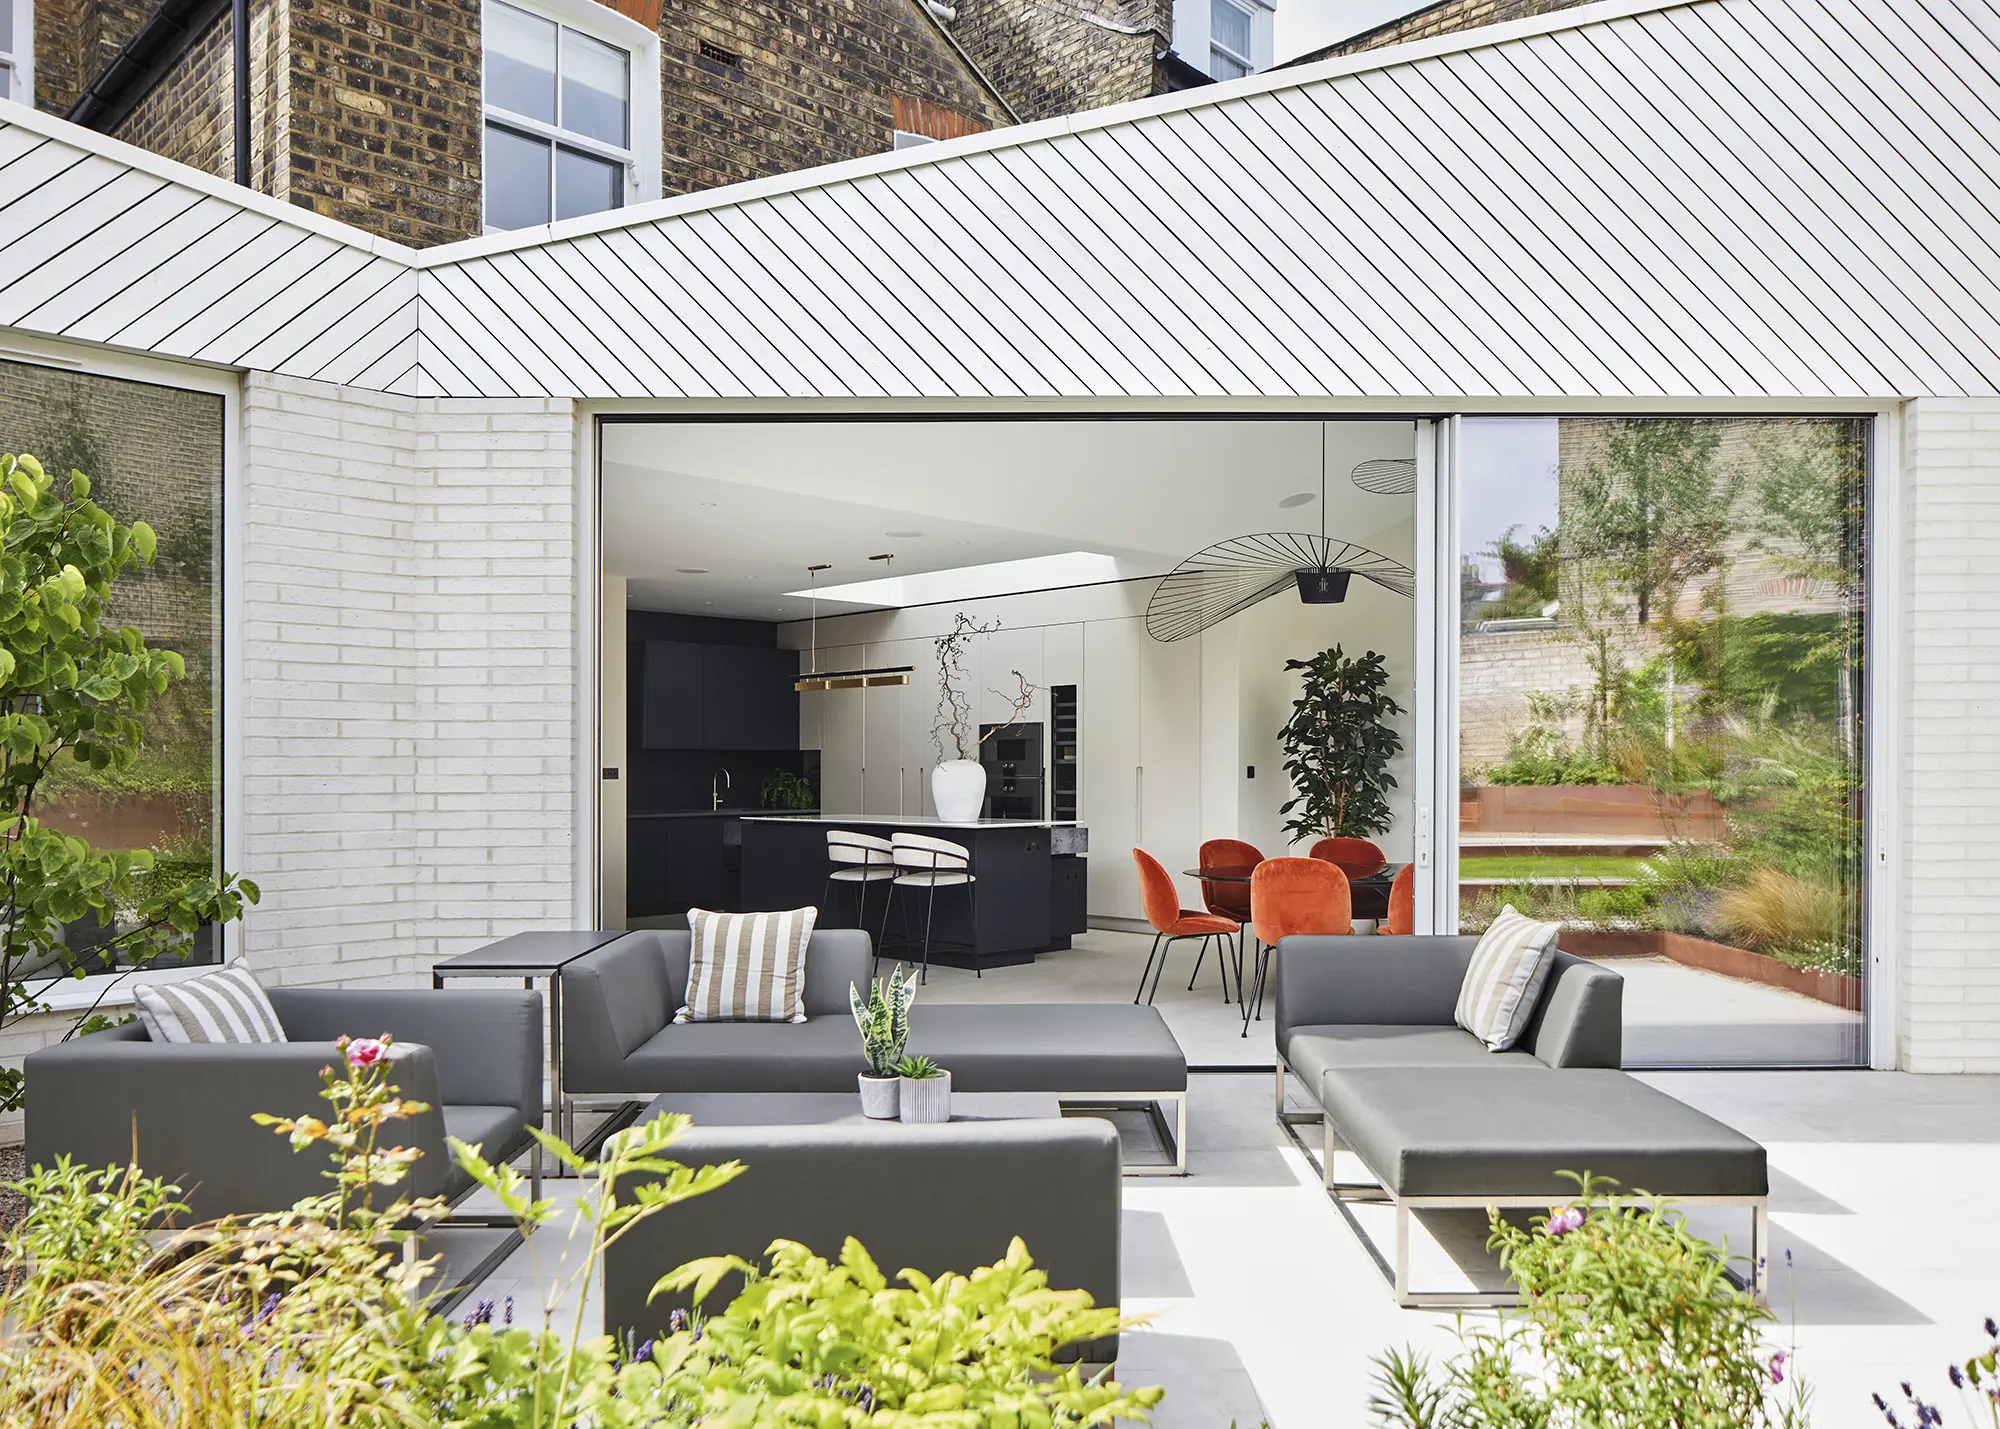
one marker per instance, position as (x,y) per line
(641,159)
(115,989)
(21,60)
(1216,47)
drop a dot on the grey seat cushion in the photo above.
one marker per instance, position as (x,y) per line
(821,1054)
(1314,1051)
(493,1129)
(1442,1131)
(1050,1047)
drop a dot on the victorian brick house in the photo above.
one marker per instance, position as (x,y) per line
(426,121)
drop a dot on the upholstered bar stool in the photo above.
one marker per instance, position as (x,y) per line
(859,860)
(926,864)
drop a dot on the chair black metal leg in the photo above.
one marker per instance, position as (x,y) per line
(1166,948)
(972,927)
(930,906)
(1198,959)
(1146,971)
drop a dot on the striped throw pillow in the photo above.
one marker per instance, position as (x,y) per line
(1504,980)
(747,967)
(225,1006)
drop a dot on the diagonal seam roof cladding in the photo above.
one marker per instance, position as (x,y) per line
(1720,199)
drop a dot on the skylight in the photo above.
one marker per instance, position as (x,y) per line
(1069,568)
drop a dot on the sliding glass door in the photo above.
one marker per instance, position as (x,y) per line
(1659,717)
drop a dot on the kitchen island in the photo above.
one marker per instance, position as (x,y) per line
(1029,897)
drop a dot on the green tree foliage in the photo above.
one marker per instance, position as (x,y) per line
(1654,511)
(1532,571)
(1338,747)
(74,688)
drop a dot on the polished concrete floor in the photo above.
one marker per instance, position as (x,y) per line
(1265,1304)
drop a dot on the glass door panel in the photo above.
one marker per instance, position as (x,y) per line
(1659,710)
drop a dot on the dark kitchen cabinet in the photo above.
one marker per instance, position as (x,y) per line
(733,697)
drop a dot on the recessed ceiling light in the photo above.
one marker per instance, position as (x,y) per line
(690,570)
(708,503)
(1297,498)
(965,543)
(906,535)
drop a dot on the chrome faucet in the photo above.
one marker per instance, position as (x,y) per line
(715,792)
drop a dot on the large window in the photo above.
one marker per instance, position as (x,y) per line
(17,50)
(1228,40)
(559,120)
(1660,717)
(153,453)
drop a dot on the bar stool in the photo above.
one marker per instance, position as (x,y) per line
(930,864)
(860,859)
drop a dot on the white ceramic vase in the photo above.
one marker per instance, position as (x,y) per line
(881,1097)
(927,1098)
(958,788)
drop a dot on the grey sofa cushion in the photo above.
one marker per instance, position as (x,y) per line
(1314,1051)
(933,1198)
(493,1129)
(1440,1131)
(822,1054)
(1049,1047)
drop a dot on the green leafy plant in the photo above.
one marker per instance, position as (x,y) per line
(72,690)
(1338,747)
(813,1342)
(783,789)
(1628,1320)
(918,1069)
(884,1019)
(1977,1381)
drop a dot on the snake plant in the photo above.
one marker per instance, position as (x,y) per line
(884,1019)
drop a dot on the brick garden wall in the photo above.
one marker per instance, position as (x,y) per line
(1048,60)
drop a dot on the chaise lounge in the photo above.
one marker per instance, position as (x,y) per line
(621,1044)
(1368,1027)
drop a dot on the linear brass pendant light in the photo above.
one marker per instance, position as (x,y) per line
(817,679)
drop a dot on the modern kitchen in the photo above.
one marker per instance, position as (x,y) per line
(782,603)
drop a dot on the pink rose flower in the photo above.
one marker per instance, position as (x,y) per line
(365,1052)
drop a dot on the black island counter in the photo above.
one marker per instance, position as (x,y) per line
(1028,898)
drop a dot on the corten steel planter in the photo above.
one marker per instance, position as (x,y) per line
(1836,989)
(1596,811)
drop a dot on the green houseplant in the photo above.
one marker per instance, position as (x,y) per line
(925,1092)
(1338,747)
(884,1019)
(72,690)
(783,789)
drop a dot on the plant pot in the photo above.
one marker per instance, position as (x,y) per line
(926,1099)
(958,788)
(881,1097)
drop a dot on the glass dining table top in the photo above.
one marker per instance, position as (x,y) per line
(1242,875)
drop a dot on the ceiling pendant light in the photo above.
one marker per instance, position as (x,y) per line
(1230,576)
(817,679)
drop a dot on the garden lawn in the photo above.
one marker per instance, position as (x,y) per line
(1556,866)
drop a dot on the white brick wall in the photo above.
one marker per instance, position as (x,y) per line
(410,616)
(1949,908)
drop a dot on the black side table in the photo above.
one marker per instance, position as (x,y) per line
(528,956)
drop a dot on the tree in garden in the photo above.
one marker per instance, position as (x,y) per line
(1338,747)
(1654,511)
(73,688)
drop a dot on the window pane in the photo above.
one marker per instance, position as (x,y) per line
(1221,66)
(517,179)
(6,81)
(153,454)
(520,62)
(596,89)
(7,26)
(1229,26)
(1659,675)
(586,185)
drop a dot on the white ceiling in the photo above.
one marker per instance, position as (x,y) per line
(749,505)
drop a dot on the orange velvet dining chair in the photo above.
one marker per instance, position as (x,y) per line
(1171,923)
(1293,896)
(1357,858)
(1402,919)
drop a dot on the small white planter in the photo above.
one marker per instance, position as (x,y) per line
(881,1097)
(958,788)
(927,1098)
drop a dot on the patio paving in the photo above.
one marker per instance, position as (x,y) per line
(1266,1305)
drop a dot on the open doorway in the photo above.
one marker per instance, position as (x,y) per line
(1049,539)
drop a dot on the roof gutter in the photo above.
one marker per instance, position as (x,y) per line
(161,40)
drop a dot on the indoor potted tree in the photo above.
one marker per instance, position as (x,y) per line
(925,1091)
(958,779)
(884,1020)
(1338,747)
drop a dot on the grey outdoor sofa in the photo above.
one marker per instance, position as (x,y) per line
(620,1042)
(932,1198)
(475,1057)
(1367,1026)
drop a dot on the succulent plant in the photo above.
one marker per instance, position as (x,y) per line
(918,1069)
(884,1019)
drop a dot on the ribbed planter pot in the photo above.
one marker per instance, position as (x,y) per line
(927,1099)
(958,788)
(881,1097)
